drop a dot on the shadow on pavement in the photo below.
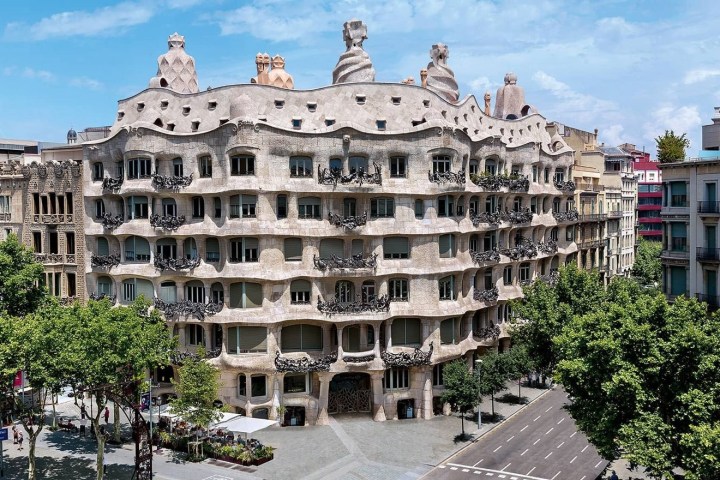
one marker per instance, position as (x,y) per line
(49,468)
(512,398)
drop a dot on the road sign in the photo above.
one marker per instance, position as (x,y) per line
(3,434)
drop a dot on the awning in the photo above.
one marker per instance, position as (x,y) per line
(226,417)
(246,424)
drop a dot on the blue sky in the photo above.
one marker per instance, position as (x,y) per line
(629,68)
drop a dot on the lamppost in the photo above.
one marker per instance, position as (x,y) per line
(478,364)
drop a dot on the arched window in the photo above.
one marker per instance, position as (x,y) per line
(491,166)
(98,171)
(242,385)
(245,295)
(300,291)
(301,338)
(137,207)
(554,234)
(190,248)
(104,286)
(368,291)
(525,272)
(344,291)
(137,249)
(177,164)
(447,287)
(357,164)
(103,248)
(194,334)
(169,207)
(473,166)
(168,292)
(212,250)
(166,248)
(332,246)
(217,293)
(246,340)
(198,207)
(133,288)
(517,204)
(195,291)
(99,208)
(447,245)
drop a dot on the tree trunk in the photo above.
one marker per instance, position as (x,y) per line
(492,400)
(519,381)
(52,398)
(100,453)
(31,455)
(116,432)
(462,422)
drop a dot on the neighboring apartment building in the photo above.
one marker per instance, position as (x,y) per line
(331,248)
(649,202)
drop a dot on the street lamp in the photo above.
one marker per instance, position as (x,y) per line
(478,364)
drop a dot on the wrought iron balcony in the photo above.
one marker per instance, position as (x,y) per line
(5,217)
(551,278)
(486,333)
(105,261)
(708,207)
(403,359)
(46,258)
(708,254)
(590,244)
(713,301)
(526,248)
(170,182)
(52,218)
(615,214)
(187,308)
(487,296)
(176,264)
(568,186)
(169,222)
(68,300)
(358,359)
(486,256)
(491,218)
(178,357)
(592,217)
(339,263)
(102,296)
(569,216)
(493,183)
(336,307)
(333,176)
(447,177)
(110,221)
(348,223)
(495,218)
(304,364)
(112,184)
(589,187)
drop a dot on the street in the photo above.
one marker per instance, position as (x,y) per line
(538,443)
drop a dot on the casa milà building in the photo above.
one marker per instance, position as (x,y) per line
(331,248)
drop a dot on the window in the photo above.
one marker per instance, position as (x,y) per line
(293,249)
(300,291)
(217,293)
(507,276)
(678,194)
(139,167)
(258,386)
(559,175)
(447,287)
(243,249)
(524,272)
(301,167)
(381,124)
(447,246)
(678,237)
(330,247)
(104,286)
(450,331)
(195,292)
(336,164)
(245,295)
(438,375)
(473,167)
(349,207)
(296,123)
(489,241)
(295,383)
(168,292)
(488,279)
(103,247)
(491,166)
(554,234)
(358,164)
(396,247)
(166,248)
(397,167)
(70,243)
(460,209)
(242,165)
(190,248)
(419,208)
(406,332)
(198,207)
(99,208)
(491,204)
(247,340)
(445,206)
(195,334)
(396,378)
(137,207)
(398,289)
(243,206)
(517,204)
(368,291)
(546,175)
(309,207)
(205,166)
(137,249)
(344,291)
(533,205)
(382,208)
(169,208)
(212,250)
(282,206)
(441,163)
(217,207)
(98,171)
(177,165)
(570,233)
(135,287)
(242,385)
(301,338)
(534,173)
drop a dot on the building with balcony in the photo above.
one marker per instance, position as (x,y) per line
(649,202)
(331,248)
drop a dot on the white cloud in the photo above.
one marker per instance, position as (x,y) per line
(613,135)
(572,104)
(700,75)
(482,85)
(85,82)
(27,72)
(683,119)
(100,22)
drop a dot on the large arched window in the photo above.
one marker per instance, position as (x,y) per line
(99,208)
(103,247)
(137,207)
(344,291)
(137,249)
(166,248)
(245,295)
(212,250)
(104,286)
(195,291)
(190,248)
(133,288)
(300,291)
(301,338)
(168,292)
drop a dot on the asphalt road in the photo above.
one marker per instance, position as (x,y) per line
(540,442)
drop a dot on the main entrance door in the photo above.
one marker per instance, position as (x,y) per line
(350,392)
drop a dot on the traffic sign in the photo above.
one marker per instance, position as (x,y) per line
(3,434)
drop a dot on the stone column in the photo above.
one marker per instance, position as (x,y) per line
(388,334)
(339,341)
(207,336)
(276,394)
(427,395)
(363,337)
(223,348)
(181,335)
(274,340)
(376,347)
(322,418)
(327,343)
(378,396)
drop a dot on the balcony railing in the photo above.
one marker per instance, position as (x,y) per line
(187,308)
(568,186)
(337,307)
(497,217)
(304,364)
(526,248)
(170,182)
(333,176)
(340,263)
(708,207)
(403,359)
(615,214)
(5,217)
(101,296)
(46,258)
(708,254)
(168,222)
(105,261)
(493,183)
(589,187)
(348,223)
(112,184)
(111,221)
(591,244)
(486,256)
(447,177)
(52,218)
(713,301)
(175,264)
(592,217)
(488,296)
(569,216)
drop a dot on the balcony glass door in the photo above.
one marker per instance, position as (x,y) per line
(711,238)
(711,284)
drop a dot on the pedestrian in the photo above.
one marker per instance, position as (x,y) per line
(83,424)
(107,415)
(83,412)
(20,440)
(15,435)
(613,476)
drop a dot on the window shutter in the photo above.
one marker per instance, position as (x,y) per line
(253,295)
(678,229)
(142,247)
(236,295)
(447,331)
(395,246)
(445,244)
(293,249)
(291,338)
(144,287)
(233,340)
(103,247)
(332,246)
(413,331)
(312,337)
(357,247)
(253,339)
(397,330)
(212,246)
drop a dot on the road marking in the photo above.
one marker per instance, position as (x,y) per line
(536,441)
(478,472)
(497,449)
(524,452)
(478,463)
(506,441)
(453,468)
(490,472)
(561,420)
(551,429)
(553,478)
(441,466)
(523,429)
(531,470)
(537,418)
(465,470)
(548,409)
(502,469)
(573,459)
(502,476)
(574,433)
(563,443)
(583,477)
(546,456)
(598,464)
(583,450)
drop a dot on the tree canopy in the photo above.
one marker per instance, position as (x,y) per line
(197,387)
(671,147)
(647,268)
(462,388)
(20,278)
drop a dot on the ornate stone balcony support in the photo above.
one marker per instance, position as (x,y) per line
(348,223)
(568,186)
(49,258)
(178,357)
(101,296)
(170,182)
(5,217)
(415,359)
(176,264)
(333,176)
(447,177)
(487,296)
(484,257)
(112,184)
(335,307)
(487,333)
(52,218)
(105,261)
(493,183)
(339,263)
(111,222)
(304,364)
(170,222)
(569,216)
(187,308)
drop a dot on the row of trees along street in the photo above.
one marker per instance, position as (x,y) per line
(94,348)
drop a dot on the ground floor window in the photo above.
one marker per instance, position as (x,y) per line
(295,383)
(396,378)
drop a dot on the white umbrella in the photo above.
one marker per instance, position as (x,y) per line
(246,425)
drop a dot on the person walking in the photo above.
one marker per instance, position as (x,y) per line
(15,434)
(20,440)
(83,425)
(107,415)
(613,476)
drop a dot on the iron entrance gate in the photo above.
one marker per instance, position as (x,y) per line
(350,393)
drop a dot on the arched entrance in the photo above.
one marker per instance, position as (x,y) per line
(350,393)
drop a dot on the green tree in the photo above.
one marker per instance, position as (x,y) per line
(462,388)
(647,268)
(671,147)
(20,278)
(517,364)
(491,370)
